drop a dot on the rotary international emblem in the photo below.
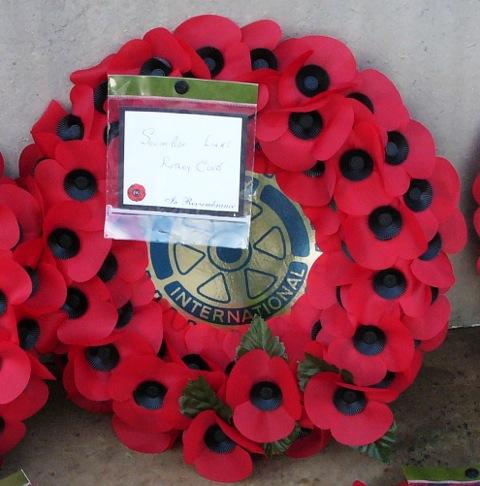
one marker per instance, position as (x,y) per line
(227,286)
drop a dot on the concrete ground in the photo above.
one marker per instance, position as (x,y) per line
(438,418)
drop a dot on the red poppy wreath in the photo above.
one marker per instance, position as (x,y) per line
(341,145)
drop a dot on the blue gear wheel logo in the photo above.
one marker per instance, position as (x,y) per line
(228,286)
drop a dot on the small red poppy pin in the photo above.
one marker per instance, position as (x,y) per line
(136,192)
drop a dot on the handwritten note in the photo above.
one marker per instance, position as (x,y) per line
(182,161)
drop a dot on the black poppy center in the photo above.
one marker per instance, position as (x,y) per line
(419,195)
(356,165)
(317,170)
(213,58)
(435,293)
(385,223)
(397,148)
(266,396)
(80,185)
(263,59)
(349,402)
(217,441)
(312,80)
(472,473)
(102,358)
(390,283)
(433,249)
(70,128)
(362,98)
(2,424)
(156,66)
(195,362)
(63,243)
(150,395)
(28,333)
(316,328)
(125,314)
(3,303)
(305,125)
(76,303)
(100,96)
(387,380)
(369,340)
(34,278)
(109,268)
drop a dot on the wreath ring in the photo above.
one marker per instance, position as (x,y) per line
(340,144)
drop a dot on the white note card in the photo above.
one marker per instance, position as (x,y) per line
(183,162)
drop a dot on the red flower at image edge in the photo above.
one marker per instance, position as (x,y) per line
(264,396)
(217,451)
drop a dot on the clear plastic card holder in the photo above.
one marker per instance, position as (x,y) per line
(180,160)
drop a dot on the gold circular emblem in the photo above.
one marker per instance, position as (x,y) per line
(228,286)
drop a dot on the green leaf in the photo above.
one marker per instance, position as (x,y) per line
(259,336)
(310,366)
(281,446)
(383,448)
(198,396)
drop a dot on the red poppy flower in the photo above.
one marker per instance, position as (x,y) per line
(15,285)
(354,415)
(263,394)
(145,320)
(370,350)
(213,345)
(384,291)
(329,272)
(311,441)
(26,210)
(433,267)
(294,337)
(74,236)
(359,189)
(143,440)
(94,366)
(37,332)
(433,200)
(125,264)
(374,90)
(30,156)
(312,66)
(218,41)
(15,370)
(48,285)
(12,414)
(145,393)
(262,38)
(216,450)
(309,322)
(10,233)
(136,192)
(90,316)
(432,322)
(409,154)
(262,164)
(435,342)
(57,125)
(312,187)
(77,173)
(326,221)
(388,232)
(400,381)
(92,406)
(296,138)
